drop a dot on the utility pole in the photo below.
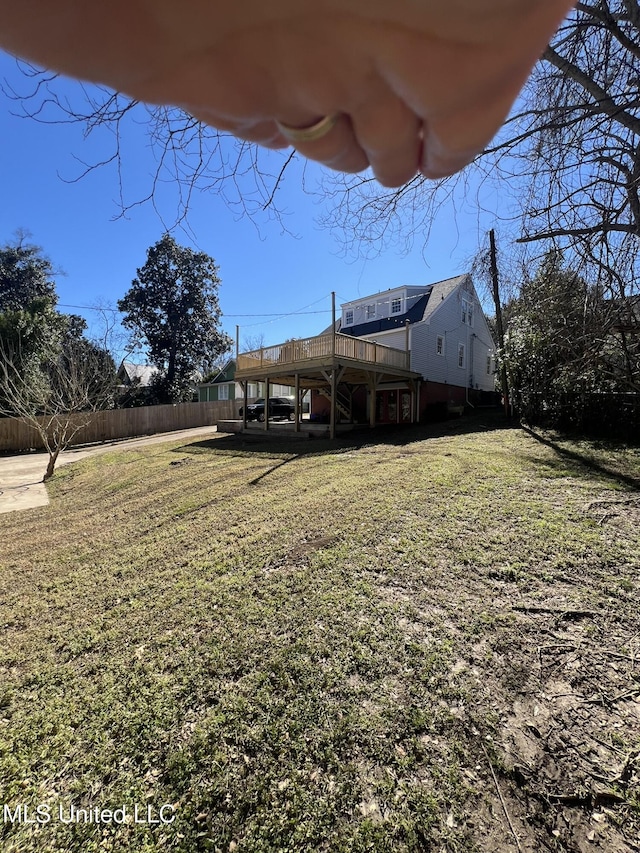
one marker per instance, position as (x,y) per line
(499,326)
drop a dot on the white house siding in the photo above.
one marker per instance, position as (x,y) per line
(447,323)
(396,338)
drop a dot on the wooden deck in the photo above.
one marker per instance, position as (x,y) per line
(307,355)
(328,364)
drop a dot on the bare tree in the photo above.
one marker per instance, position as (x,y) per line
(189,156)
(61,398)
(568,158)
(250,343)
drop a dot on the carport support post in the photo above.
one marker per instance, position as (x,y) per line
(372,399)
(332,422)
(245,394)
(297,412)
(266,403)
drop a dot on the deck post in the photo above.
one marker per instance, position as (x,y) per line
(297,410)
(372,399)
(245,394)
(266,403)
(334,391)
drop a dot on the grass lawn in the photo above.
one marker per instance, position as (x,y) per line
(430,643)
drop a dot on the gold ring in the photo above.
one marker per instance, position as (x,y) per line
(311,133)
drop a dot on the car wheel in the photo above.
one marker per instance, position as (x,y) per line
(261,417)
(290,416)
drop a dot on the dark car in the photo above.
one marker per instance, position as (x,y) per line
(279,407)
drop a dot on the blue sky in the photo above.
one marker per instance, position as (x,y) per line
(263,270)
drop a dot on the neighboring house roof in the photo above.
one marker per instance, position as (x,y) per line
(225,374)
(422,309)
(136,374)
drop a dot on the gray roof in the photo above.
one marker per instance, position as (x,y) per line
(434,295)
(136,374)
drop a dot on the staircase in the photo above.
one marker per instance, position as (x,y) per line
(343,402)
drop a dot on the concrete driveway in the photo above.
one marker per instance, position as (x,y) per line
(21,485)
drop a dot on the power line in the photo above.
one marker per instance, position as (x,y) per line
(299,312)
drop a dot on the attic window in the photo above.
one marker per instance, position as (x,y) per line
(370,311)
(439,345)
(396,306)
(348,317)
(467,312)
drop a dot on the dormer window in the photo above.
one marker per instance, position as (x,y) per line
(348,317)
(396,305)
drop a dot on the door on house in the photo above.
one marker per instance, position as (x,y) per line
(393,407)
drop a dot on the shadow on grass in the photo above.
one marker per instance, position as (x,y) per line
(382,436)
(580,462)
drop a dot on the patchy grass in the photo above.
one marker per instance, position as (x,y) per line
(429,643)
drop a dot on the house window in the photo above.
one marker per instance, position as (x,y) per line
(348,317)
(439,345)
(467,312)
(370,311)
(460,355)
(488,365)
(223,392)
(396,306)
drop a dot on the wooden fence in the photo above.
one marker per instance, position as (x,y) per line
(123,423)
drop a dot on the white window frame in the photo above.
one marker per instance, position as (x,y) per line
(223,391)
(462,355)
(440,345)
(397,300)
(467,311)
(348,317)
(370,311)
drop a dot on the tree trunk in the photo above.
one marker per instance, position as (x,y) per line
(53,458)
(499,325)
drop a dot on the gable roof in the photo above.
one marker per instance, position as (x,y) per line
(441,290)
(225,374)
(136,374)
(421,310)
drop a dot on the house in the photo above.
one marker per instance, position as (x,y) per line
(445,330)
(135,375)
(224,386)
(407,354)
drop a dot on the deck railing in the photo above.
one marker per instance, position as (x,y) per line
(323,348)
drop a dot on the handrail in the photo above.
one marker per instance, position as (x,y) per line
(321,347)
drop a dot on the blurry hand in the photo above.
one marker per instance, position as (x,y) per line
(414,85)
